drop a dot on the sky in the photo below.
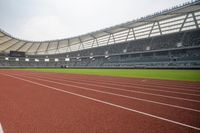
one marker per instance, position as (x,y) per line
(57,19)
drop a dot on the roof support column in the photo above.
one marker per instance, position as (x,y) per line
(129,30)
(151,29)
(68,43)
(134,34)
(10,46)
(81,44)
(183,22)
(94,42)
(21,46)
(195,20)
(57,48)
(47,48)
(94,39)
(159,28)
(29,48)
(113,38)
(38,48)
(108,39)
(6,41)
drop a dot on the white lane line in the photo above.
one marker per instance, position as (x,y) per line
(107,103)
(158,90)
(1,128)
(173,87)
(137,83)
(140,92)
(115,94)
(145,87)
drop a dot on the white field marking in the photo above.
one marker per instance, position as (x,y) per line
(146,93)
(153,84)
(159,90)
(1,128)
(146,88)
(161,85)
(104,102)
(138,86)
(115,94)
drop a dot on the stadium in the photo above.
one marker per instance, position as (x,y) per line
(169,39)
(138,76)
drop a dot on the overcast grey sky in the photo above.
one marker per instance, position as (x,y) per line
(55,19)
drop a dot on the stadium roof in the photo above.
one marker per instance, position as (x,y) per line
(179,18)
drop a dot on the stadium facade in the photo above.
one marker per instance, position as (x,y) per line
(167,39)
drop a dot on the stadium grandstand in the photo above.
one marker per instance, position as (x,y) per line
(167,39)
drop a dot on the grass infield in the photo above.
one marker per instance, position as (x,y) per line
(184,75)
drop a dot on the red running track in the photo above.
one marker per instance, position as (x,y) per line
(46,102)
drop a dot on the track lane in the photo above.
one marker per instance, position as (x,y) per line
(141,85)
(159,111)
(169,102)
(34,108)
(130,81)
(172,84)
(150,92)
(124,80)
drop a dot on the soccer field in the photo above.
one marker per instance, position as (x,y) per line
(184,75)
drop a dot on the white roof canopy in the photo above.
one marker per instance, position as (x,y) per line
(184,17)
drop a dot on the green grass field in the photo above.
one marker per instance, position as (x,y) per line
(184,75)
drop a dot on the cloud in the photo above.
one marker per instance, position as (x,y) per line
(50,19)
(43,28)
